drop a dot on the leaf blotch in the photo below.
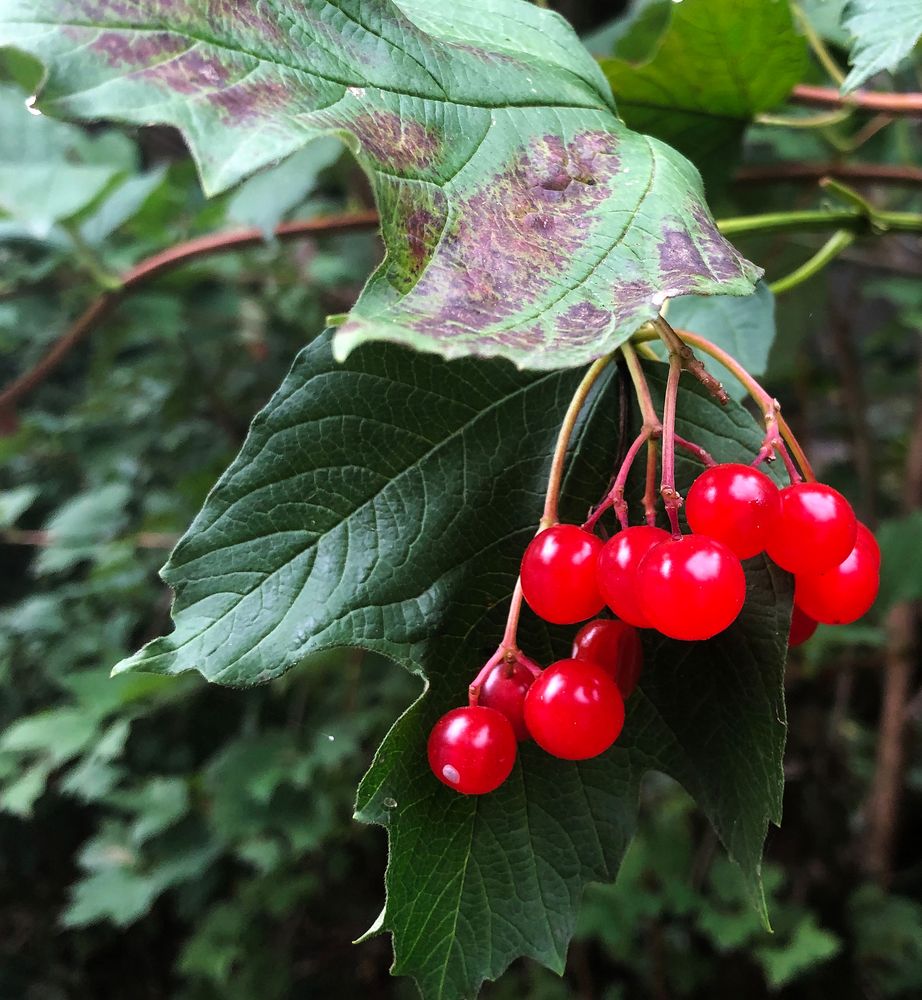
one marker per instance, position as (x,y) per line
(401,145)
(515,234)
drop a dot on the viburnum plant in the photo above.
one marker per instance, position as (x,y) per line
(540,258)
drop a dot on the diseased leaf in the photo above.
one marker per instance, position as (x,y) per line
(882,36)
(522,219)
(719,64)
(397,526)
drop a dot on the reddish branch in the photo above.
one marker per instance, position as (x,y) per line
(153,267)
(884,804)
(44,539)
(870,100)
(881,173)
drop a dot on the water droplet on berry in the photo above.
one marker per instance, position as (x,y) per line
(451,774)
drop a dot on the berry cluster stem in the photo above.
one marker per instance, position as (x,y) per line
(672,499)
(508,650)
(651,431)
(779,438)
(552,497)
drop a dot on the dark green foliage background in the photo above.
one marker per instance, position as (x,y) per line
(162,837)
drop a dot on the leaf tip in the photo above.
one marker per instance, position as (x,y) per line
(376,928)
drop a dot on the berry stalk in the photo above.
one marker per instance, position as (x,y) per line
(779,438)
(672,499)
(552,497)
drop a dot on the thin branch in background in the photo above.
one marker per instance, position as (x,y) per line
(871,173)
(842,308)
(161,263)
(884,804)
(45,539)
(868,100)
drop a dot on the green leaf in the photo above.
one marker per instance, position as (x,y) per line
(825,17)
(635,34)
(397,526)
(49,171)
(522,219)
(264,200)
(744,326)
(900,542)
(719,64)
(14,503)
(77,528)
(809,945)
(882,34)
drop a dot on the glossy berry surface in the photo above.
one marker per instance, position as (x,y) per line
(504,689)
(617,570)
(472,749)
(574,710)
(558,574)
(843,594)
(816,529)
(865,539)
(802,627)
(615,647)
(691,587)
(735,504)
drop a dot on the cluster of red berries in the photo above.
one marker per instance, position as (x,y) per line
(688,587)
(573,709)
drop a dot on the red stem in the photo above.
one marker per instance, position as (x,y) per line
(824,97)
(160,263)
(876,173)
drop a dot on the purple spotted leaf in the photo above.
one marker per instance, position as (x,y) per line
(522,219)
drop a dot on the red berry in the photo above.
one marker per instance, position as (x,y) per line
(736,505)
(574,710)
(691,587)
(866,539)
(802,627)
(505,689)
(614,646)
(816,530)
(472,749)
(617,570)
(558,574)
(843,594)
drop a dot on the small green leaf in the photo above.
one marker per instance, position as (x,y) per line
(719,64)
(522,219)
(809,944)
(900,542)
(14,503)
(882,34)
(264,200)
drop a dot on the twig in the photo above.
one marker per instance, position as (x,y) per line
(873,173)
(840,240)
(870,100)
(153,267)
(689,362)
(44,539)
(882,811)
